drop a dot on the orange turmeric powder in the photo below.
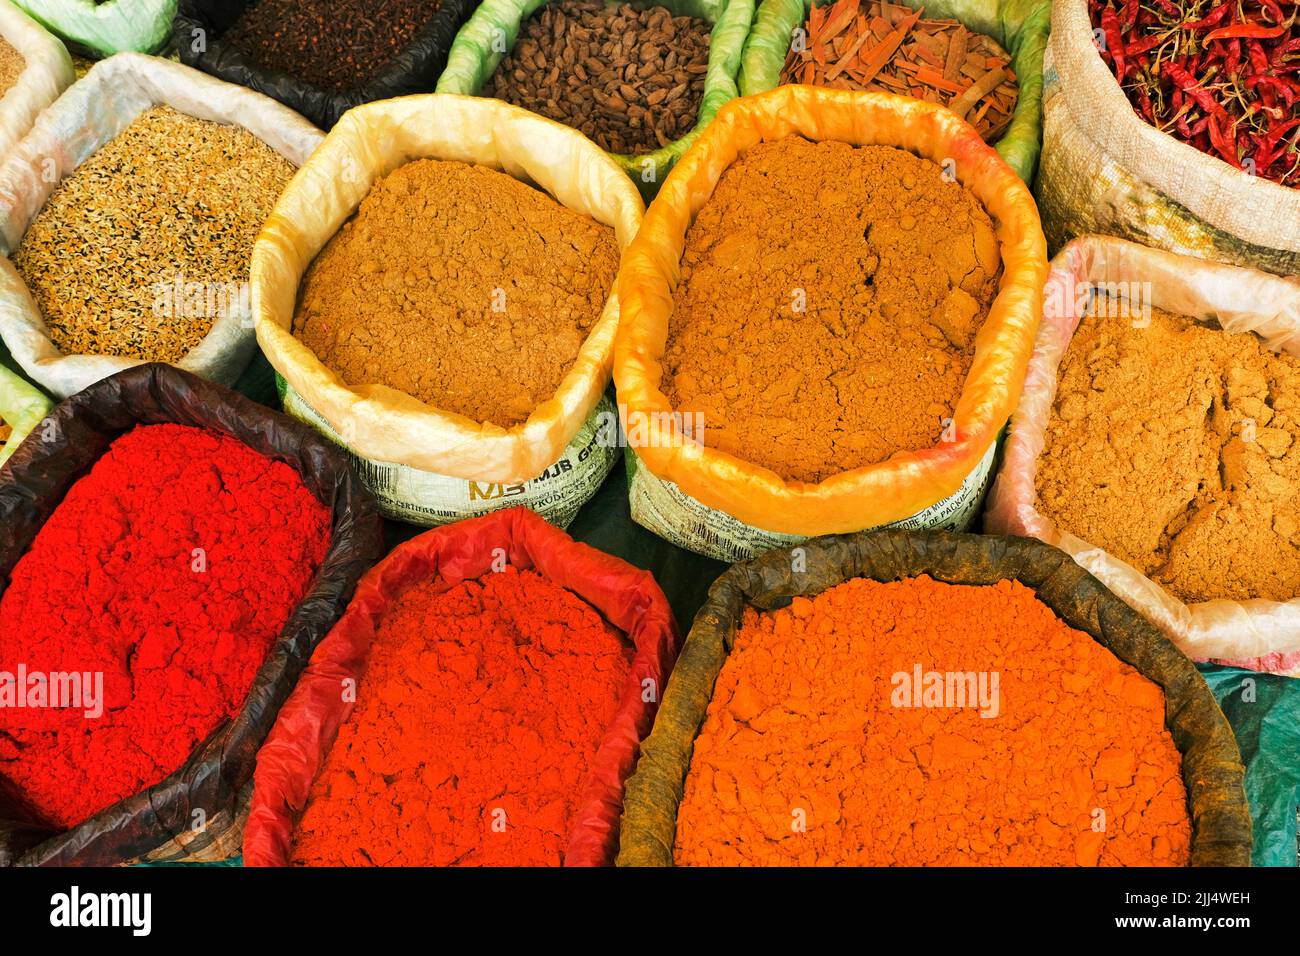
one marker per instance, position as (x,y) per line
(920,723)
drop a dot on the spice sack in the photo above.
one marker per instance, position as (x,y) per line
(321,57)
(129,96)
(625,74)
(508,718)
(758,368)
(34,69)
(171,553)
(937,699)
(1181,516)
(1019,26)
(1105,170)
(113,26)
(463,368)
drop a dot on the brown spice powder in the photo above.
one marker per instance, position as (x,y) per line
(828,306)
(1173,448)
(12,65)
(460,286)
(171,198)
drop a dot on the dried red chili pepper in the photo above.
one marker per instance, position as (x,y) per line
(1256,30)
(1114,42)
(1221,76)
(1214,16)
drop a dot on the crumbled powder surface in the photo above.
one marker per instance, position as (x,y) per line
(828,306)
(461,286)
(480,711)
(1173,447)
(12,65)
(110,586)
(171,199)
(814,751)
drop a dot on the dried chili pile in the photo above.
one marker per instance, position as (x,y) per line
(1224,77)
(916,723)
(480,711)
(886,47)
(165,575)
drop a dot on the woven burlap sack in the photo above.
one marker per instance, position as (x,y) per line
(1212,769)
(1104,170)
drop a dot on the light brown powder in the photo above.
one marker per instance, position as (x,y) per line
(1173,448)
(460,286)
(12,65)
(828,306)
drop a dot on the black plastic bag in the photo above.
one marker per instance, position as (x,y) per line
(1212,768)
(200,26)
(156,823)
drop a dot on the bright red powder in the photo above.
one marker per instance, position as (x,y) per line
(479,714)
(115,583)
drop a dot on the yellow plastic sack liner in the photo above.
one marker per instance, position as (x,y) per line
(380,423)
(907,482)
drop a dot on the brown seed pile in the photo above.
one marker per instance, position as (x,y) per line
(172,204)
(828,306)
(333,44)
(12,65)
(461,286)
(1174,447)
(631,80)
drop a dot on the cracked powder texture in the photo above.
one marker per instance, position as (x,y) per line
(1173,448)
(481,704)
(12,65)
(828,306)
(802,730)
(460,286)
(169,199)
(110,585)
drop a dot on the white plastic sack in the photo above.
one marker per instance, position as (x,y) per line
(1258,634)
(1106,171)
(92,112)
(425,464)
(115,26)
(47,74)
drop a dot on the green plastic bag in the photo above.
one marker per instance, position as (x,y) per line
(21,408)
(102,29)
(1019,26)
(1264,710)
(473,59)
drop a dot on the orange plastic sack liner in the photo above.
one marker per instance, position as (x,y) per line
(907,482)
(309,722)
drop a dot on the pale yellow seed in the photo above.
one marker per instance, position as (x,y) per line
(170,198)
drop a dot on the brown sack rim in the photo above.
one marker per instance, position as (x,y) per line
(1212,768)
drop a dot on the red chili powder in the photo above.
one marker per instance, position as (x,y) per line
(170,568)
(481,709)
